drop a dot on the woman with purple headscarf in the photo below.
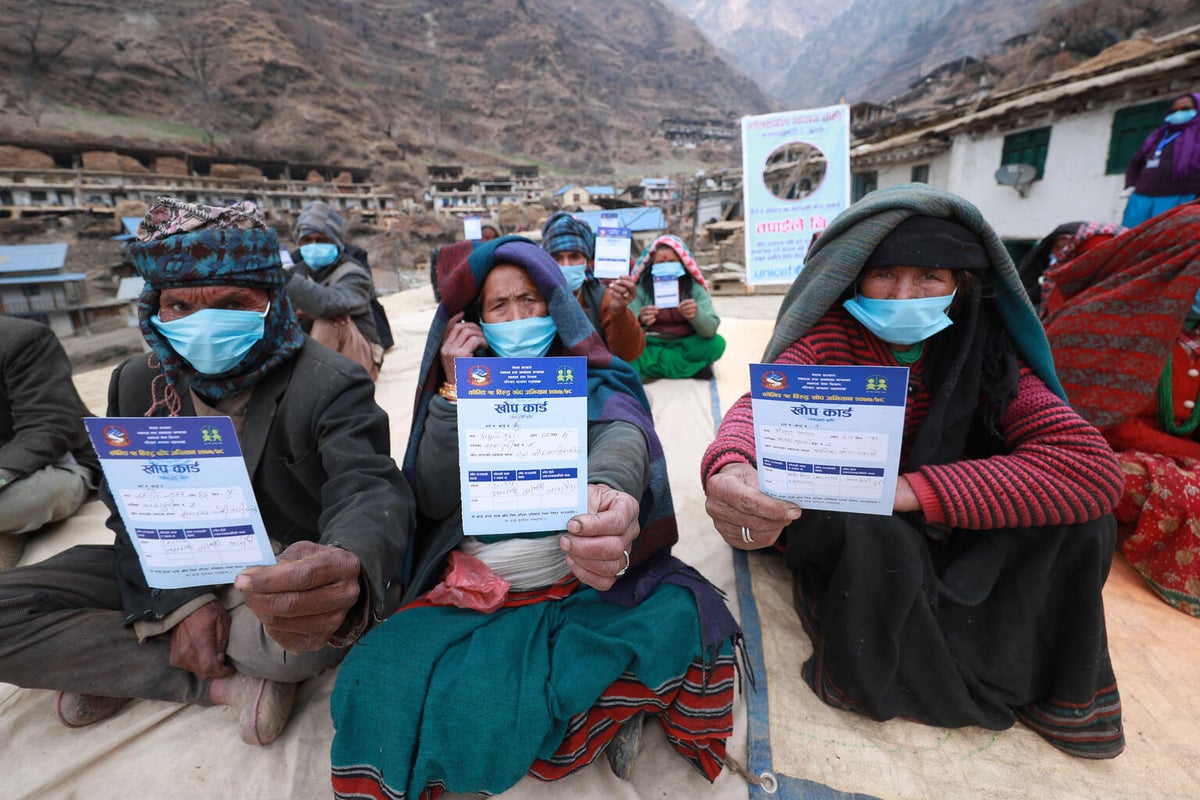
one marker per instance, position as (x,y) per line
(1165,171)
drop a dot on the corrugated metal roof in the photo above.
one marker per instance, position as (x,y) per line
(131,225)
(32,257)
(599,190)
(58,277)
(637,220)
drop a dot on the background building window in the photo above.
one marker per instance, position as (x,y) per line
(920,173)
(1130,127)
(1027,147)
(862,184)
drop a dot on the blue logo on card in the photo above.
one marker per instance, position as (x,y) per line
(479,376)
(115,436)
(774,380)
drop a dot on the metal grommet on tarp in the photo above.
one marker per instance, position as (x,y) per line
(767,782)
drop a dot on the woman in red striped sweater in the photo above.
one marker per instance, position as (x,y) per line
(978,601)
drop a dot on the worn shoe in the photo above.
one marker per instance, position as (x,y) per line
(80,710)
(624,747)
(11,547)
(264,705)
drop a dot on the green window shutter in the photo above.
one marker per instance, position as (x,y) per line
(1130,127)
(862,184)
(1027,147)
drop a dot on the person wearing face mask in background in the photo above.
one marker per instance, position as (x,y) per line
(331,291)
(572,244)
(681,342)
(1165,171)
(978,601)
(530,654)
(224,341)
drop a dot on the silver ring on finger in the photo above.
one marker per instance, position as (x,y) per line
(625,568)
(746,537)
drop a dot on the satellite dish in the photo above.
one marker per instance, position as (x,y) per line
(1018,176)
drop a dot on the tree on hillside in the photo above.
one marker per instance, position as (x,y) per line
(44,48)
(193,59)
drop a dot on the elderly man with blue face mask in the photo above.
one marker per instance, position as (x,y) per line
(572,244)
(332,291)
(224,341)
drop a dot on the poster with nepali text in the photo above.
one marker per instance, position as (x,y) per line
(795,180)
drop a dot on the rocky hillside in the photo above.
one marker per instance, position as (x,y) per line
(876,49)
(571,84)
(763,37)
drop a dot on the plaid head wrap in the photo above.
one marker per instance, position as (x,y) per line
(614,391)
(563,233)
(182,245)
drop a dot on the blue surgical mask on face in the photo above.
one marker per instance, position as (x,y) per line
(668,269)
(902,321)
(1195,312)
(575,274)
(520,338)
(319,254)
(213,340)
(1180,117)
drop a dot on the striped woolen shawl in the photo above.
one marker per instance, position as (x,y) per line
(614,391)
(837,257)
(1126,302)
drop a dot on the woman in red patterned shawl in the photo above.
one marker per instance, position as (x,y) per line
(1127,345)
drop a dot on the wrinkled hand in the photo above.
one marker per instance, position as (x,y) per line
(734,501)
(460,340)
(688,308)
(620,294)
(647,315)
(596,542)
(303,599)
(198,642)
(906,498)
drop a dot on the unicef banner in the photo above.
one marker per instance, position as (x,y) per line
(795,179)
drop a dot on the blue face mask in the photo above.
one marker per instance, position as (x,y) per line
(575,274)
(213,340)
(902,321)
(319,254)
(1195,312)
(668,269)
(1180,117)
(520,338)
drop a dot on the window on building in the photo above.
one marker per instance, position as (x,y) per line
(31,289)
(1130,127)
(920,173)
(862,184)
(1027,147)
